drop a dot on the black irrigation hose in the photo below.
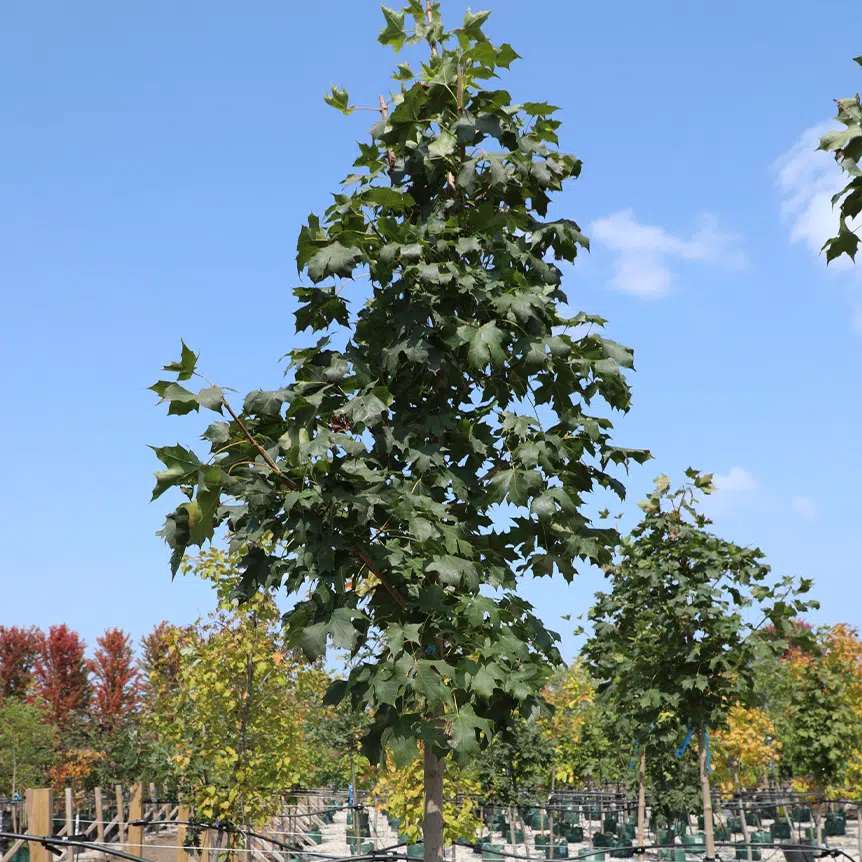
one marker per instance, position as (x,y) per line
(52,843)
(635,850)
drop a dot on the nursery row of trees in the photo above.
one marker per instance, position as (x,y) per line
(223,712)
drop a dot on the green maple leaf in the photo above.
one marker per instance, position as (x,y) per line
(181,464)
(518,486)
(484,682)
(454,571)
(444,145)
(393,33)
(464,729)
(185,368)
(342,627)
(365,409)
(333,259)
(337,98)
(485,344)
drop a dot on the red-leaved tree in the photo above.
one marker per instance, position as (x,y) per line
(61,676)
(19,648)
(116,693)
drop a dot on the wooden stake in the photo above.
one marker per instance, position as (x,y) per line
(100,817)
(40,812)
(743,821)
(69,829)
(182,830)
(135,839)
(121,819)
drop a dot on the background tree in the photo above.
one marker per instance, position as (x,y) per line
(847,147)
(677,633)
(61,679)
(28,746)
(400,791)
(820,720)
(462,385)
(745,749)
(671,780)
(518,761)
(116,691)
(571,693)
(231,726)
(19,648)
(332,738)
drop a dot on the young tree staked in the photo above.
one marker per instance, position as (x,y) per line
(367,486)
(678,633)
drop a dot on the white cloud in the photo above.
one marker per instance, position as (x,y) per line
(807,178)
(736,480)
(644,251)
(804,506)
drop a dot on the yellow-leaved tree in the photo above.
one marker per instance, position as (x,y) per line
(579,729)
(400,791)
(229,704)
(843,656)
(744,749)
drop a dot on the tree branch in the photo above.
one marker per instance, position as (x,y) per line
(359,552)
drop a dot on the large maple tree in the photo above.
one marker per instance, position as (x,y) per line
(400,486)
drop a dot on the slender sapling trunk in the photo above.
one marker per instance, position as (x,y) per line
(642,807)
(432,824)
(742,819)
(706,792)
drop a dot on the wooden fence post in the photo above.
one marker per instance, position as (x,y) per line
(182,829)
(135,839)
(100,816)
(121,820)
(40,813)
(69,828)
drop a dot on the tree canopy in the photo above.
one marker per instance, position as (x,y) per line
(453,441)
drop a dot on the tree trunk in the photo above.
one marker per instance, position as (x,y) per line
(859,830)
(354,811)
(742,819)
(709,835)
(432,824)
(642,807)
(523,831)
(551,813)
(818,823)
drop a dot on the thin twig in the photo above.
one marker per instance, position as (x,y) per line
(390,155)
(429,17)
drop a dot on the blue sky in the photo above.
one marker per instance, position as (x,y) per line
(158,158)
